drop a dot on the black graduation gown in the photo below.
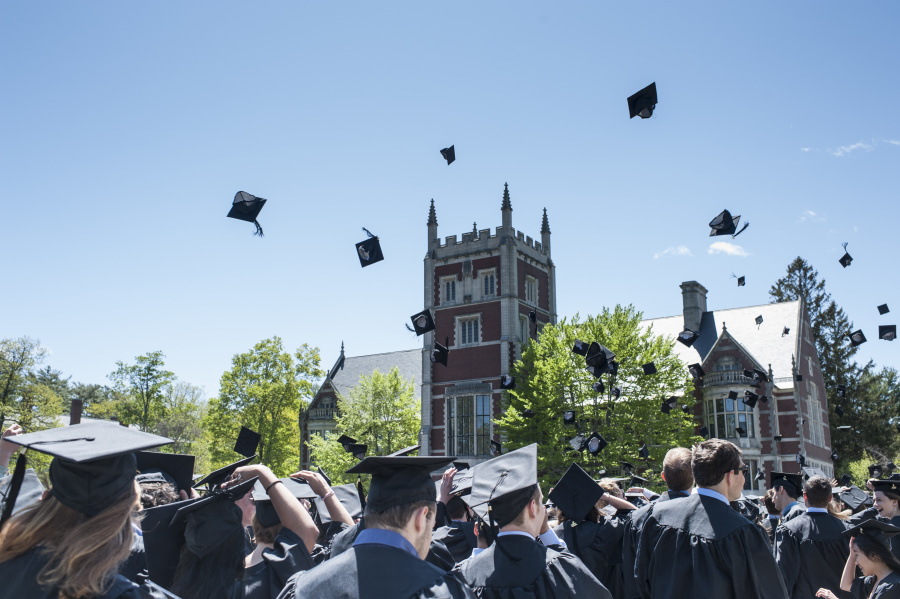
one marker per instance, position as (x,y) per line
(136,564)
(869,514)
(770,525)
(266,579)
(439,555)
(699,547)
(670,495)
(811,552)
(795,511)
(19,579)
(458,538)
(374,571)
(889,588)
(599,546)
(518,567)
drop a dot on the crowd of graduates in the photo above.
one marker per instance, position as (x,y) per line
(112,526)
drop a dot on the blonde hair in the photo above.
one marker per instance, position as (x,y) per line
(610,486)
(83,553)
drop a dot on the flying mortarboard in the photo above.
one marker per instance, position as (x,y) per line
(580,348)
(569,417)
(741,281)
(883,309)
(844,428)
(616,392)
(595,444)
(449,155)
(732,395)
(785,331)
(346,441)
(532,316)
(649,368)
(507,382)
(576,493)
(875,470)
(687,337)
(599,358)
(846,259)
(422,322)
(644,452)
(857,338)
(686,408)
(496,447)
(845,479)
(527,413)
(598,387)
(703,432)
(246,207)
(399,480)
(760,475)
(696,371)
(834,455)
(247,442)
(369,250)
(358,450)
(839,410)
(178,466)
(888,332)
(577,442)
(439,354)
(740,431)
(787,479)
(725,224)
(405,451)
(759,320)
(750,399)
(777,437)
(643,102)
(801,459)
(221,475)
(878,531)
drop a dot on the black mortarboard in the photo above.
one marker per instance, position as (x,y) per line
(405,451)
(212,519)
(785,331)
(834,455)
(616,392)
(369,250)
(496,447)
(638,481)
(576,493)
(687,337)
(643,102)
(265,511)
(787,479)
(696,371)
(580,348)
(703,432)
(178,466)
(741,281)
(761,475)
(801,459)
(883,309)
(30,491)
(888,332)
(221,475)
(577,442)
(854,497)
(845,260)
(839,410)
(247,442)
(246,207)
(569,417)
(449,155)
(649,368)
(507,382)
(460,466)
(798,377)
(598,387)
(422,322)
(358,450)
(439,354)
(878,531)
(627,466)
(506,484)
(686,408)
(845,480)
(598,358)
(886,485)
(759,320)
(844,428)
(345,441)
(665,407)
(732,395)
(750,399)
(725,224)
(348,495)
(532,316)
(644,452)
(527,413)
(399,480)
(857,338)
(841,391)
(595,444)
(162,542)
(94,462)
(740,431)
(777,437)
(462,481)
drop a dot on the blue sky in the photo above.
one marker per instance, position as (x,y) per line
(128,127)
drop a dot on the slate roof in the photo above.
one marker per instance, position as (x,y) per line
(408,362)
(764,343)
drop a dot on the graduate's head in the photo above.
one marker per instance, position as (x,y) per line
(457,509)
(788,488)
(769,501)
(871,545)
(509,486)
(817,492)
(677,469)
(886,496)
(717,465)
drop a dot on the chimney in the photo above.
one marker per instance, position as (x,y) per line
(75,412)
(693,297)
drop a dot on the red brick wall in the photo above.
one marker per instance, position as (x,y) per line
(525,269)
(446,270)
(467,363)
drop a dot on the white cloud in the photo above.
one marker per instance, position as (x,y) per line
(681,250)
(809,215)
(806,149)
(844,150)
(724,247)
(893,142)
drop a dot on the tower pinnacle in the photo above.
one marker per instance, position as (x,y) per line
(506,205)
(545,224)
(432,216)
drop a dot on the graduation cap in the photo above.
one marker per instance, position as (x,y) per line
(785,331)
(649,368)
(627,466)
(179,467)
(696,371)
(507,382)
(246,207)
(569,417)
(750,399)
(496,447)
(759,320)
(598,387)
(247,442)
(875,471)
(422,322)
(841,391)
(580,348)
(644,452)
(845,480)
(358,450)
(349,497)
(163,542)
(221,475)
(398,480)
(643,102)
(595,444)
(616,392)
(668,405)
(760,475)
(439,354)
(576,493)
(406,450)
(725,224)
(599,358)
(578,442)
(732,395)
(888,332)
(883,309)
(854,497)
(460,466)
(527,413)
(777,437)
(839,410)
(757,375)
(844,428)
(741,281)
(265,511)
(878,531)
(369,250)
(798,377)
(638,481)
(687,337)
(449,155)
(686,408)
(210,520)
(740,431)
(532,316)
(703,432)
(801,459)
(787,480)
(857,338)
(846,259)
(93,466)
(506,484)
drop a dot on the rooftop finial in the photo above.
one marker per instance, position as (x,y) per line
(432,217)
(506,205)
(723,326)
(545,224)
(475,230)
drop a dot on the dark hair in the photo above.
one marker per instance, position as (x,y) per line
(456,508)
(769,500)
(396,518)
(156,494)
(818,491)
(213,574)
(535,496)
(789,487)
(712,460)
(875,551)
(677,469)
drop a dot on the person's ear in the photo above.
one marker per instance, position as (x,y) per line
(421,519)
(663,476)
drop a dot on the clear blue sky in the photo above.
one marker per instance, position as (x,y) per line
(128,127)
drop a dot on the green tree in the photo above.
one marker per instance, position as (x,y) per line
(265,390)
(550,379)
(97,401)
(18,357)
(143,386)
(184,408)
(382,412)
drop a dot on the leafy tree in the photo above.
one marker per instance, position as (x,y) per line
(265,391)
(185,407)
(97,401)
(550,379)
(54,380)
(381,412)
(18,357)
(143,387)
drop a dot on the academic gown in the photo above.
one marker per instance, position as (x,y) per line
(518,567)
(599,546)
(458,538)
(438,555)
(889,588)
(869,514)
(374,571)
(699,547)
(770,525)
(265,580)
(811,552)
(670,495)
(795,511)
(19,579)
(136,564)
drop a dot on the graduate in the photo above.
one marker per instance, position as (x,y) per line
(517,565)
(870,550)
(699,546)
(811,549)
(457,531)
(386,558)
(788,488)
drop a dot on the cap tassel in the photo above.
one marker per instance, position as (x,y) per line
(361,492)
(741,231)
(14,486)
(259,231)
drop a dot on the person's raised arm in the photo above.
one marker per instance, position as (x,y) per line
(8,449)
(320,487)
(849,570)
(619,504)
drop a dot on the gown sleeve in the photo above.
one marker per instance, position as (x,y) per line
(787,556)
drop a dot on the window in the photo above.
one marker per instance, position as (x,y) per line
(469,330)
(469,425)
(750,477)
(814,409)
(728,363)
(448,290)
(488,284)
(523,329)
(723,415)
(531,290)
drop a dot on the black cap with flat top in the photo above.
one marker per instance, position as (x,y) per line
(687,337)
(369,250)
(406,450)
(643,102)
(439,354)
(576,493)
(506,483)
(422,322)
(725,224)
(221,475)
(179,467)
(449,155)
(888,332)
(696,371)
(399,480)
(649,368)
(854,497)
(878,531)
(787,479)
(857,338)
(580,348)
(247,442)
(883,309)
(246,207)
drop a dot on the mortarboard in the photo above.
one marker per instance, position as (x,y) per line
(886,485)
(857,338)
(839,410)
(93,466)
(346,441)
(638,481)
(496,447)
(246,207)
(369,250)
(888,332)
(532,316)
(449,155)
(732,395)
(265,511)
(580,348)
(506,484)
(399,480)
(785,331)
(810,471)
(801,459)
(627,466)
(598,387)
(750,399)
(740,431)
(667,405)
(787,479)
(841,391)
(878,531)
(725,224)
(759,320)
(741,281)
(854,497)
(507,382)
(462,481)
(687,337)
(163,542)
(439,354)
(595,444)
(696,371)
(405,451)
(686,408)
(358,450)
(760,475)
(834,455)
(703,432)
(569,417)
(777,437)
(845,480)
(616,392)
(883,309)
(649,368)
(247,442)
(527,413)
(578,442)
(323,475)
(845,260)
(349,497)
(221,475)
(643,102)
(599,358)
(422,322)
(178,466)
(576,493)
(844,428)
(460,466)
